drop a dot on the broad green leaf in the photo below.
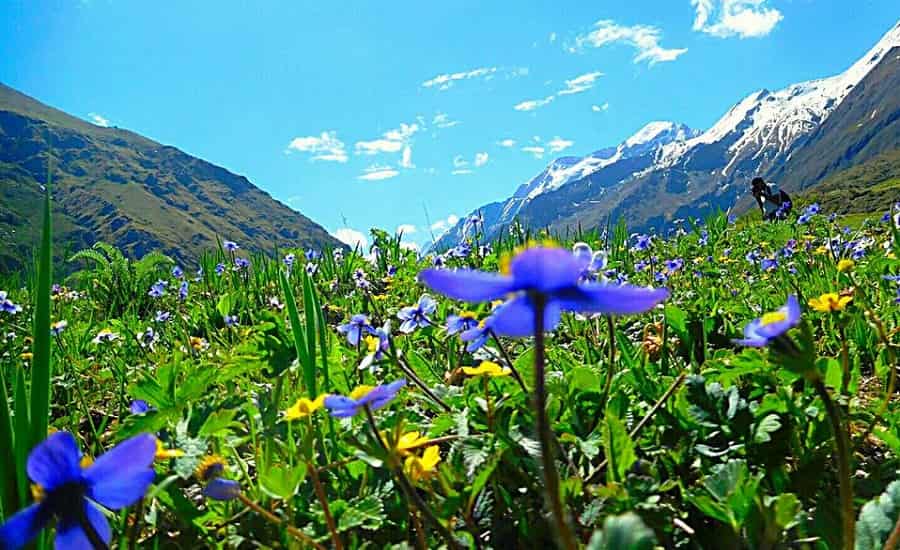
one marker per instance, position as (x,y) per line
(625,532)
(768,425)
(619,449)
(282,482)
(367,513)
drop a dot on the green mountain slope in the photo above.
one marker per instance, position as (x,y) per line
(116,186)
(871,187)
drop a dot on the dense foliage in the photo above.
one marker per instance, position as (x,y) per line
(665,432)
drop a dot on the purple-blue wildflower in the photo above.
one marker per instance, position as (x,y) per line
(416,316)
(346,406)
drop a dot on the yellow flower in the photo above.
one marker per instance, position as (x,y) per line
(304,407)
(407,442)
(163,454)
(821,250)
(829,302)
(86,461)
(372,343)
(422,468)
(845,265)
(199,344)
(26,356)
(210,467)
(772,317)
(380,297)
(487,368)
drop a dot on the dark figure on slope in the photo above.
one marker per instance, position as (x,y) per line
(773,202)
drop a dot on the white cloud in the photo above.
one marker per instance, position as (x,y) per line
(409,245)
(742,18)
(391,141)
(445,81)
(580,83)
(442,120)
(535,150)
(552,38)
(351,237)
(461,172)
(533,104)
(506,142)
(459,161)
(406,229)
(376,172)
(406,159)
(98,120)
(643,38)
(443,225)
(598,108)
(324,147)
(558,144)
(481,159)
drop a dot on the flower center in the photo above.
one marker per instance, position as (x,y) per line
(773,317)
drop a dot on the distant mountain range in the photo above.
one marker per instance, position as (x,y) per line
(798,136)
(116,186)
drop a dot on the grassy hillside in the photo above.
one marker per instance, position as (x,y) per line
(116,186)
(871,187)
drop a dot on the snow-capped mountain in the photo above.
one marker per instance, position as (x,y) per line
(666,170)
(605,165)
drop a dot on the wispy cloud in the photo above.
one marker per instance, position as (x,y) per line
(481,159)
(533,104)
(448,80)
(535,150)
(391,141)
(742,18)
(442,120)
(351,237)
(462,172)
(443,225)
(599,108)
(406,159)
(506,142)
(581,83)
(552,37)
(377,172)
(406,229)
(98,119)
(644,39)
(323,147)
(558,144)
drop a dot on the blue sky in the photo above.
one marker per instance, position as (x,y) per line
(364,113)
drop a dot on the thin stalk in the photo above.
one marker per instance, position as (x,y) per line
(275,520)
(845,486)
(611,368)
(408,488)
(329,519)
(551,478)
(509,362)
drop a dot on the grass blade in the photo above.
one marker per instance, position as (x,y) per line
(297,331)
(22,436)
(41,366)
(8,496)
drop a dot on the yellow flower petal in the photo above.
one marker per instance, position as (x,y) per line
(304,407)
(487,368)
(845,265)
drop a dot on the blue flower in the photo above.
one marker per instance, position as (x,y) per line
(391,270)
(72,494)
(674,265)
(230,320)
(139,406)
(417,315)
(460,323)
(7,305)
(354,330)
(759,332)
(157,290)
(230,246)
(311,269)
(221,489)
(289,261)
(177,272)
(162,316)
(58,327)
(183,290)
(812,209)
(549,273)
(478,335)
(241,263)
(803,218)
(220,268)
(345,406)
(768,264)
(642,242)
(311,254)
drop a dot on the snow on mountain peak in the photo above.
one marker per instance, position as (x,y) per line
(765,125)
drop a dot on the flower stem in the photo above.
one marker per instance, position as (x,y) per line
(551,478)
(611,368)
(407,487)
(845,486)
(329,519)
(275,520)
(510,364)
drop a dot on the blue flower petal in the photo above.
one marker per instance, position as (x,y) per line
(467,284)
(54,461)
(121,476)
(382,395)
(611,299)
(341,406)
(23,526)
(71,536)
(222,489)
(545,269)
(516,317)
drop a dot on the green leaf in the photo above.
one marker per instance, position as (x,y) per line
(219,423)
(8,496)
(625,532)
(877,519)
(769,424)
(23,435)
(225,305)
(282,482)
(525,365)
(584,379)
(367,513)
(41,368)
(309,374)
(619,448)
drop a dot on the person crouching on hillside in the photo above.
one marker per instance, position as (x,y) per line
(773,202)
